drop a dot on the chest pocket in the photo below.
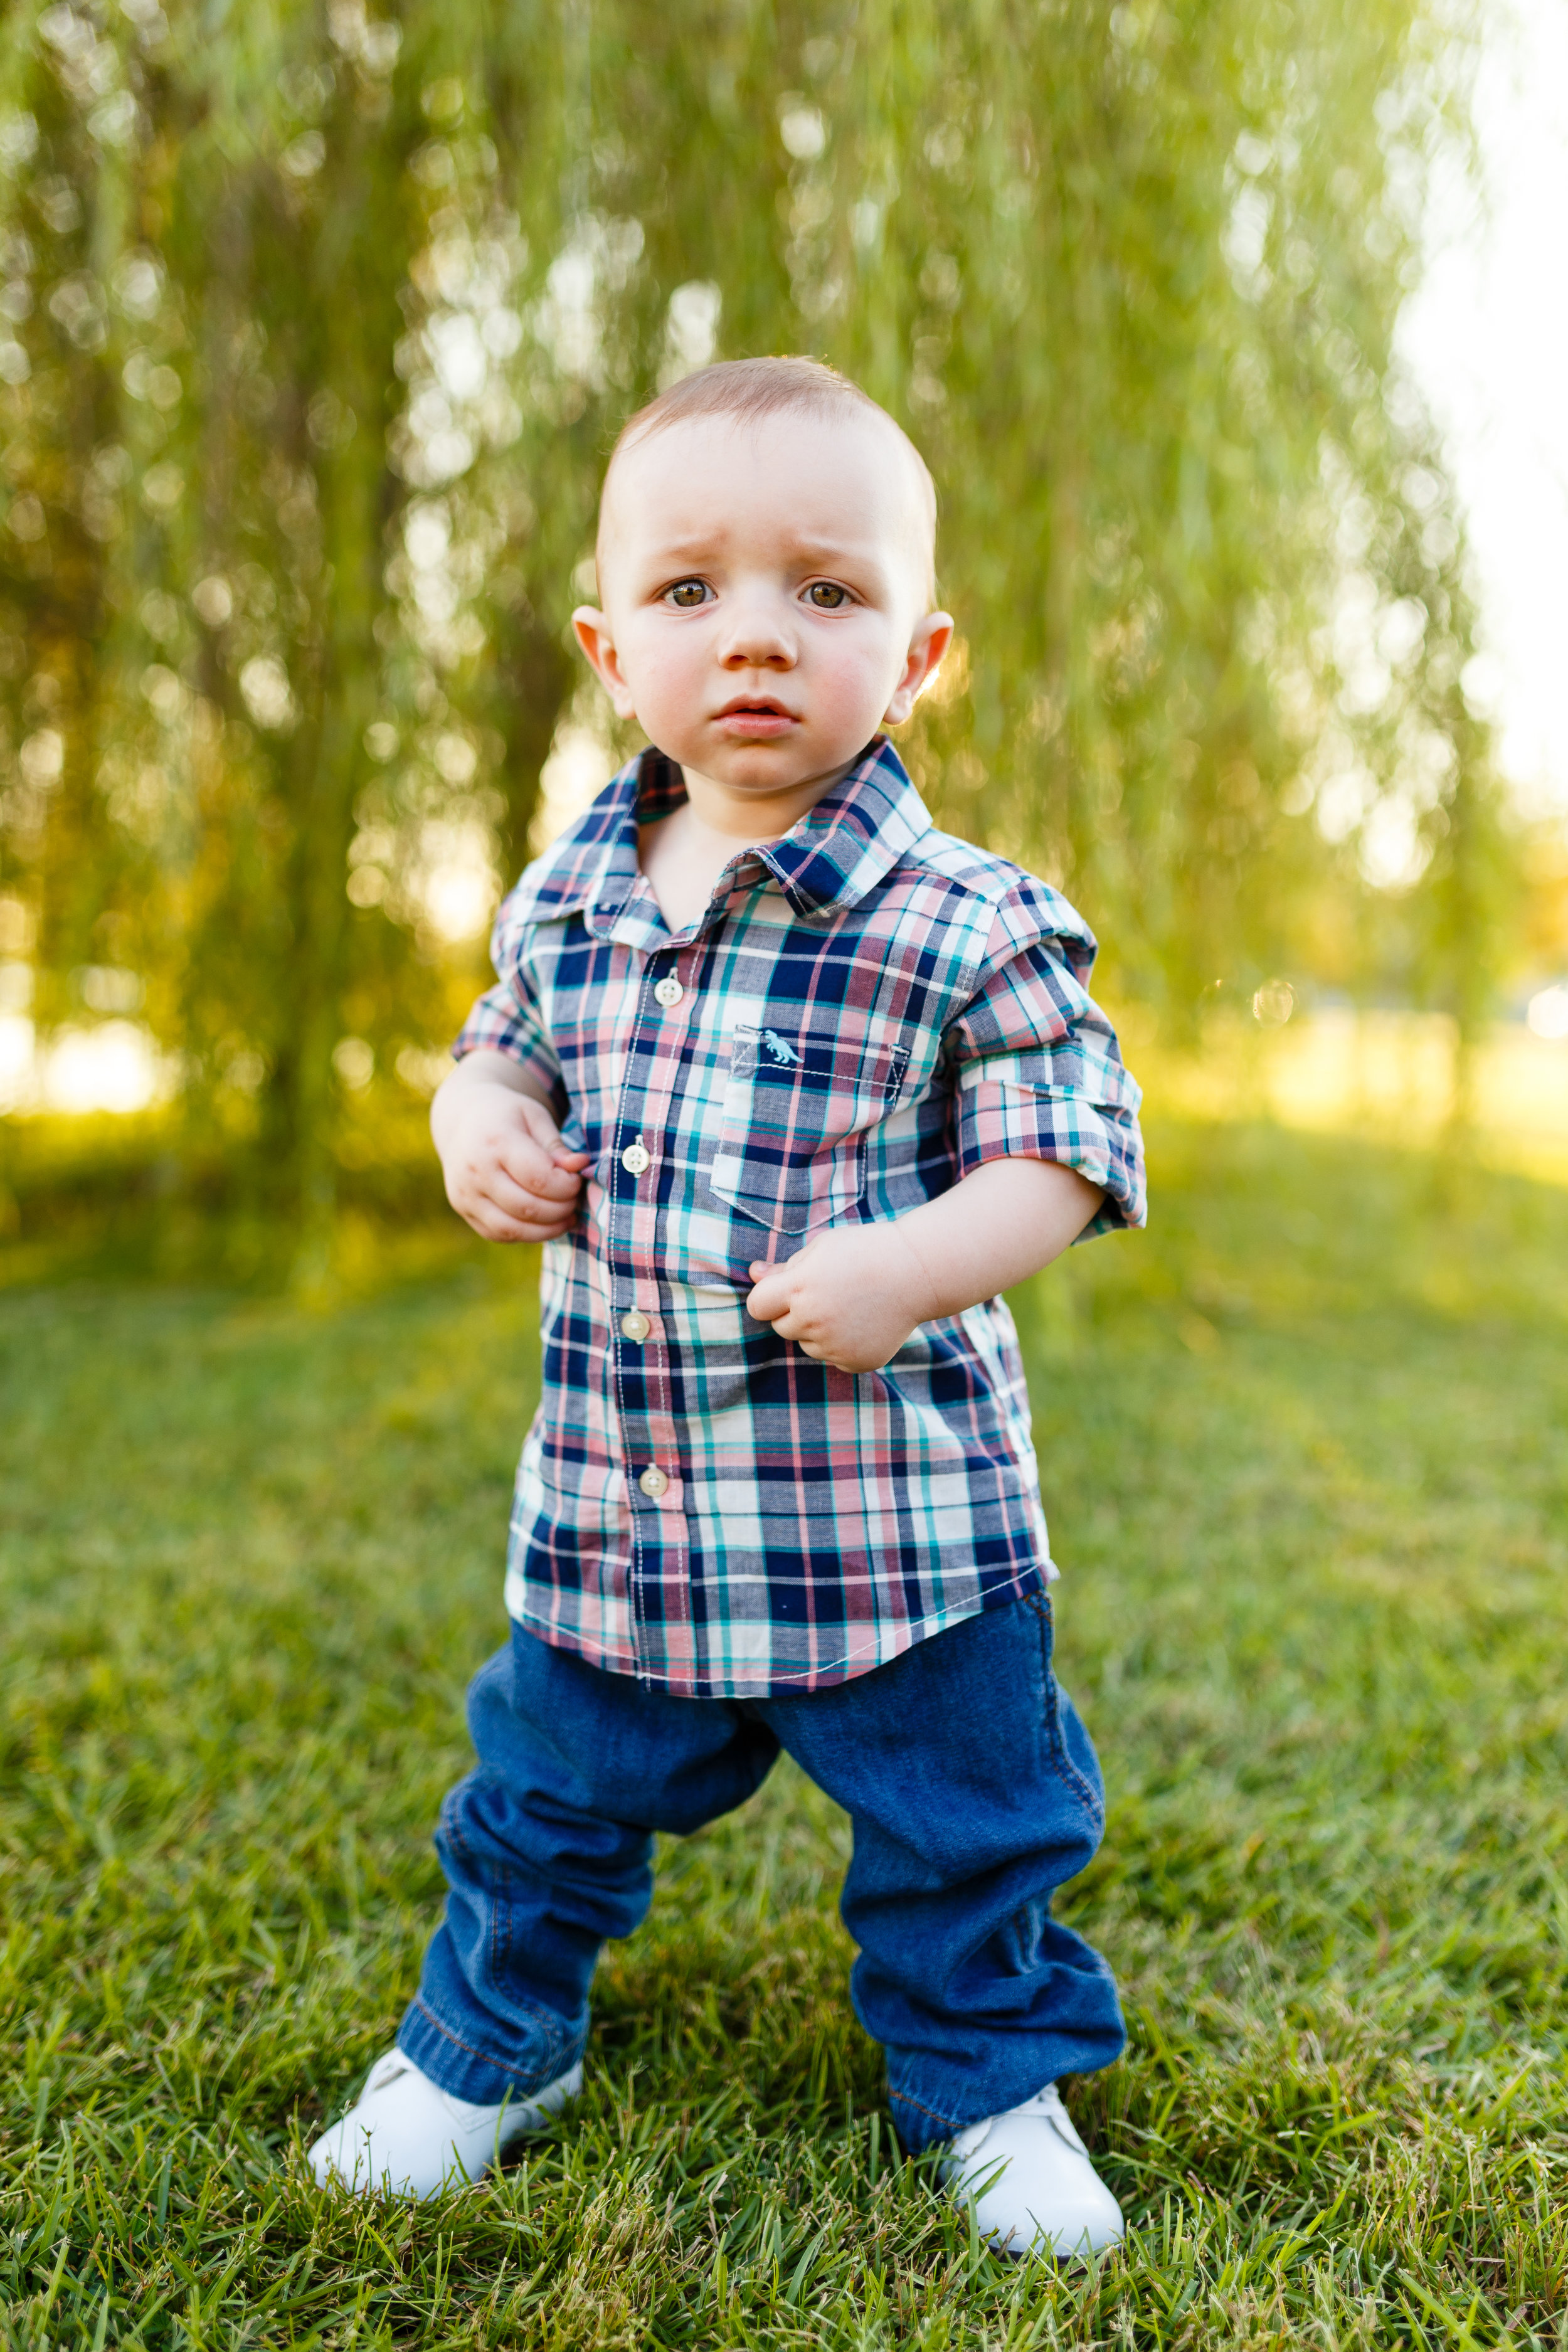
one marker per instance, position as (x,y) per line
(792,1143)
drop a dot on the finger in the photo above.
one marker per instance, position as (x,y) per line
(494,1226)
(768,1301)
(529,1167)
(512,1158)
(543,1137)
(537,1121)
(512,1225)
(536,1177)
(526,1200)
(489,1225)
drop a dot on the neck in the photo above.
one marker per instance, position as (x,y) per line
(753,818)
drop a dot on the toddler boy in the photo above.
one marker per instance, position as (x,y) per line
(791,1085)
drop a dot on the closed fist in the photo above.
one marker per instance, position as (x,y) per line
(507,1171)
(850,1299)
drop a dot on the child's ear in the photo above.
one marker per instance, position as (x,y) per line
(927,646)
(593,636)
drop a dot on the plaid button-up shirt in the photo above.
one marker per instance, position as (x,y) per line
(866,1011)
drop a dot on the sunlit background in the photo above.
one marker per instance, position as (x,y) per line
(1235,335)
(1262,665)
(1487,331)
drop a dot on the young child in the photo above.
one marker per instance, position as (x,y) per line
(791,1085)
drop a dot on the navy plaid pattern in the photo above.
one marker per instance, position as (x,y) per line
(866,1011)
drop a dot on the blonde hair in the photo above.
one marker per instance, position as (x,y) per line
(746,391)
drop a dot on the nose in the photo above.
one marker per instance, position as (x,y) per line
(758,635)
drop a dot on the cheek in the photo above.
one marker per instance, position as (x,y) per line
(661,667)
(860,676)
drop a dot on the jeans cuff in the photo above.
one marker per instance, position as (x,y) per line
(463,2071)
(918,2125)
(930,2104)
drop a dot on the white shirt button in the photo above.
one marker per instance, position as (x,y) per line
(635,1159)
(668,991)
(652,1482)
(634,1326)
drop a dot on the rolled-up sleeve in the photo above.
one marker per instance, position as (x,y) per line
(507,1019)
(1035,1065)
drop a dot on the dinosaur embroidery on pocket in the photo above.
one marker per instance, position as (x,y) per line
(791,1147)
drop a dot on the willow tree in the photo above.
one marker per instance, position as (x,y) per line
(319,324)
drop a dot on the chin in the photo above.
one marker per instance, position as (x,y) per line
(762,769)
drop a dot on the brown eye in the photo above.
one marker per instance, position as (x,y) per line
(687,593)
(828,596)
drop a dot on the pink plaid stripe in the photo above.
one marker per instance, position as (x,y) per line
(866,1011)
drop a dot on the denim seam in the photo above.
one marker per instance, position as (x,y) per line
(487,2057)
(448,1820)
(551,2021)
(1060,1762)
(904,2099)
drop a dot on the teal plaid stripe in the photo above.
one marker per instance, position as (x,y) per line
(867,1009)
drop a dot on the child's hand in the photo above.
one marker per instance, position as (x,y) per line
(508,1174)
(850,1299)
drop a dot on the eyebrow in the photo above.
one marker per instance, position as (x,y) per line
(815,553)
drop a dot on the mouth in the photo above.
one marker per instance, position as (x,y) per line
(755,718)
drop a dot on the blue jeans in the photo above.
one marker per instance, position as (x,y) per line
(973,1790)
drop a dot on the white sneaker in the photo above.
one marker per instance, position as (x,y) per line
(1028,2176)
(405,2136)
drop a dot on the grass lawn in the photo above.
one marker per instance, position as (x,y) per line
(1306,1457)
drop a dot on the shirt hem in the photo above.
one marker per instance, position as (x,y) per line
(826,1675)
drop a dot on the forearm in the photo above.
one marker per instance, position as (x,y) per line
(999,1225)
(853,1295)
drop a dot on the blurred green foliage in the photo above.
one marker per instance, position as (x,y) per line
(315,324)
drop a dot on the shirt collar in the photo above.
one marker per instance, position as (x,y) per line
(857,834)
(827,863)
